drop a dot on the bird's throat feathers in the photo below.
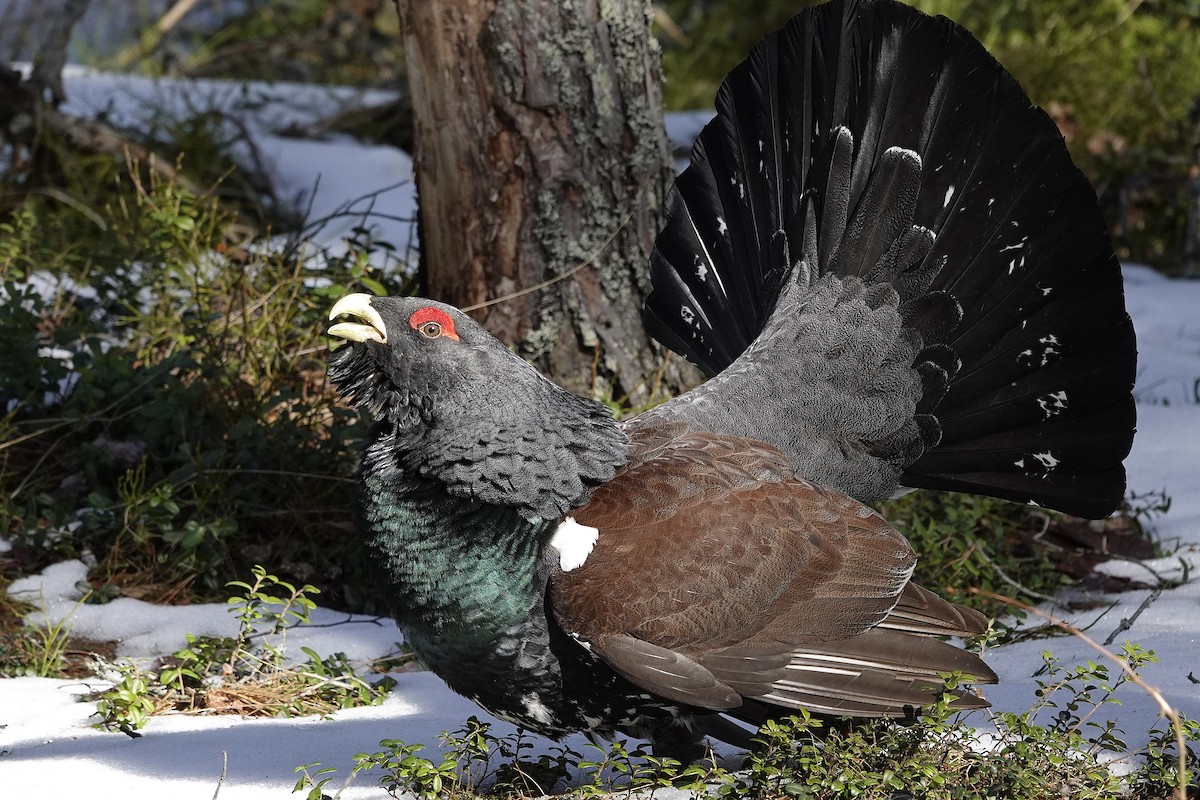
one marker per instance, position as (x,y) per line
(473,460)
(514,440)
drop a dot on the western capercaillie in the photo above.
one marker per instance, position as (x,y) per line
(895,277)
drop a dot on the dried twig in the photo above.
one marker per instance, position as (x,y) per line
(1127,622)
(151,38)
(587,262)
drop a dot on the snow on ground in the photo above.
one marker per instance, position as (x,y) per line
(338,179)
(1165,457)
(48,749)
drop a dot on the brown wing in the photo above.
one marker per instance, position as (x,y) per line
(718,574)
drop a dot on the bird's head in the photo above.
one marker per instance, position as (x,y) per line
(410,360)
(461,408)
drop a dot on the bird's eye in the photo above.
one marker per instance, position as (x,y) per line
(433,323)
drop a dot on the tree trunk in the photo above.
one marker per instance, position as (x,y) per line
(51,57)
(540,148)
(1191,234)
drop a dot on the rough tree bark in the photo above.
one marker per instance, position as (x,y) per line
(29,112)
(539,147)
(51,56)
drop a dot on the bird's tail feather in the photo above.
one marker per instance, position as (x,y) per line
(869,142)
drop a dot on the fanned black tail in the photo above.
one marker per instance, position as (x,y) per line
(877,193)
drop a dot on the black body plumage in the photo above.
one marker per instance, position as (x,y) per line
(885,258)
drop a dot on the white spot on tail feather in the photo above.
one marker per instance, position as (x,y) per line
(1051,349)
(1053,404)
(949,195)
(1046,459)
(574,543)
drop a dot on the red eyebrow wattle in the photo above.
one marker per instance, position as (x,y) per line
(431,314)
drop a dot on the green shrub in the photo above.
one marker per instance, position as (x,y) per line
(27,649)
(247,674)
(313,41)
(197,433)
(1055,749)
(971,542)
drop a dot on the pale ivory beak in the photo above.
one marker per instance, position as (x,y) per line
(359,306)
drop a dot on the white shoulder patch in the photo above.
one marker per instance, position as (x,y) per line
(574,543)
